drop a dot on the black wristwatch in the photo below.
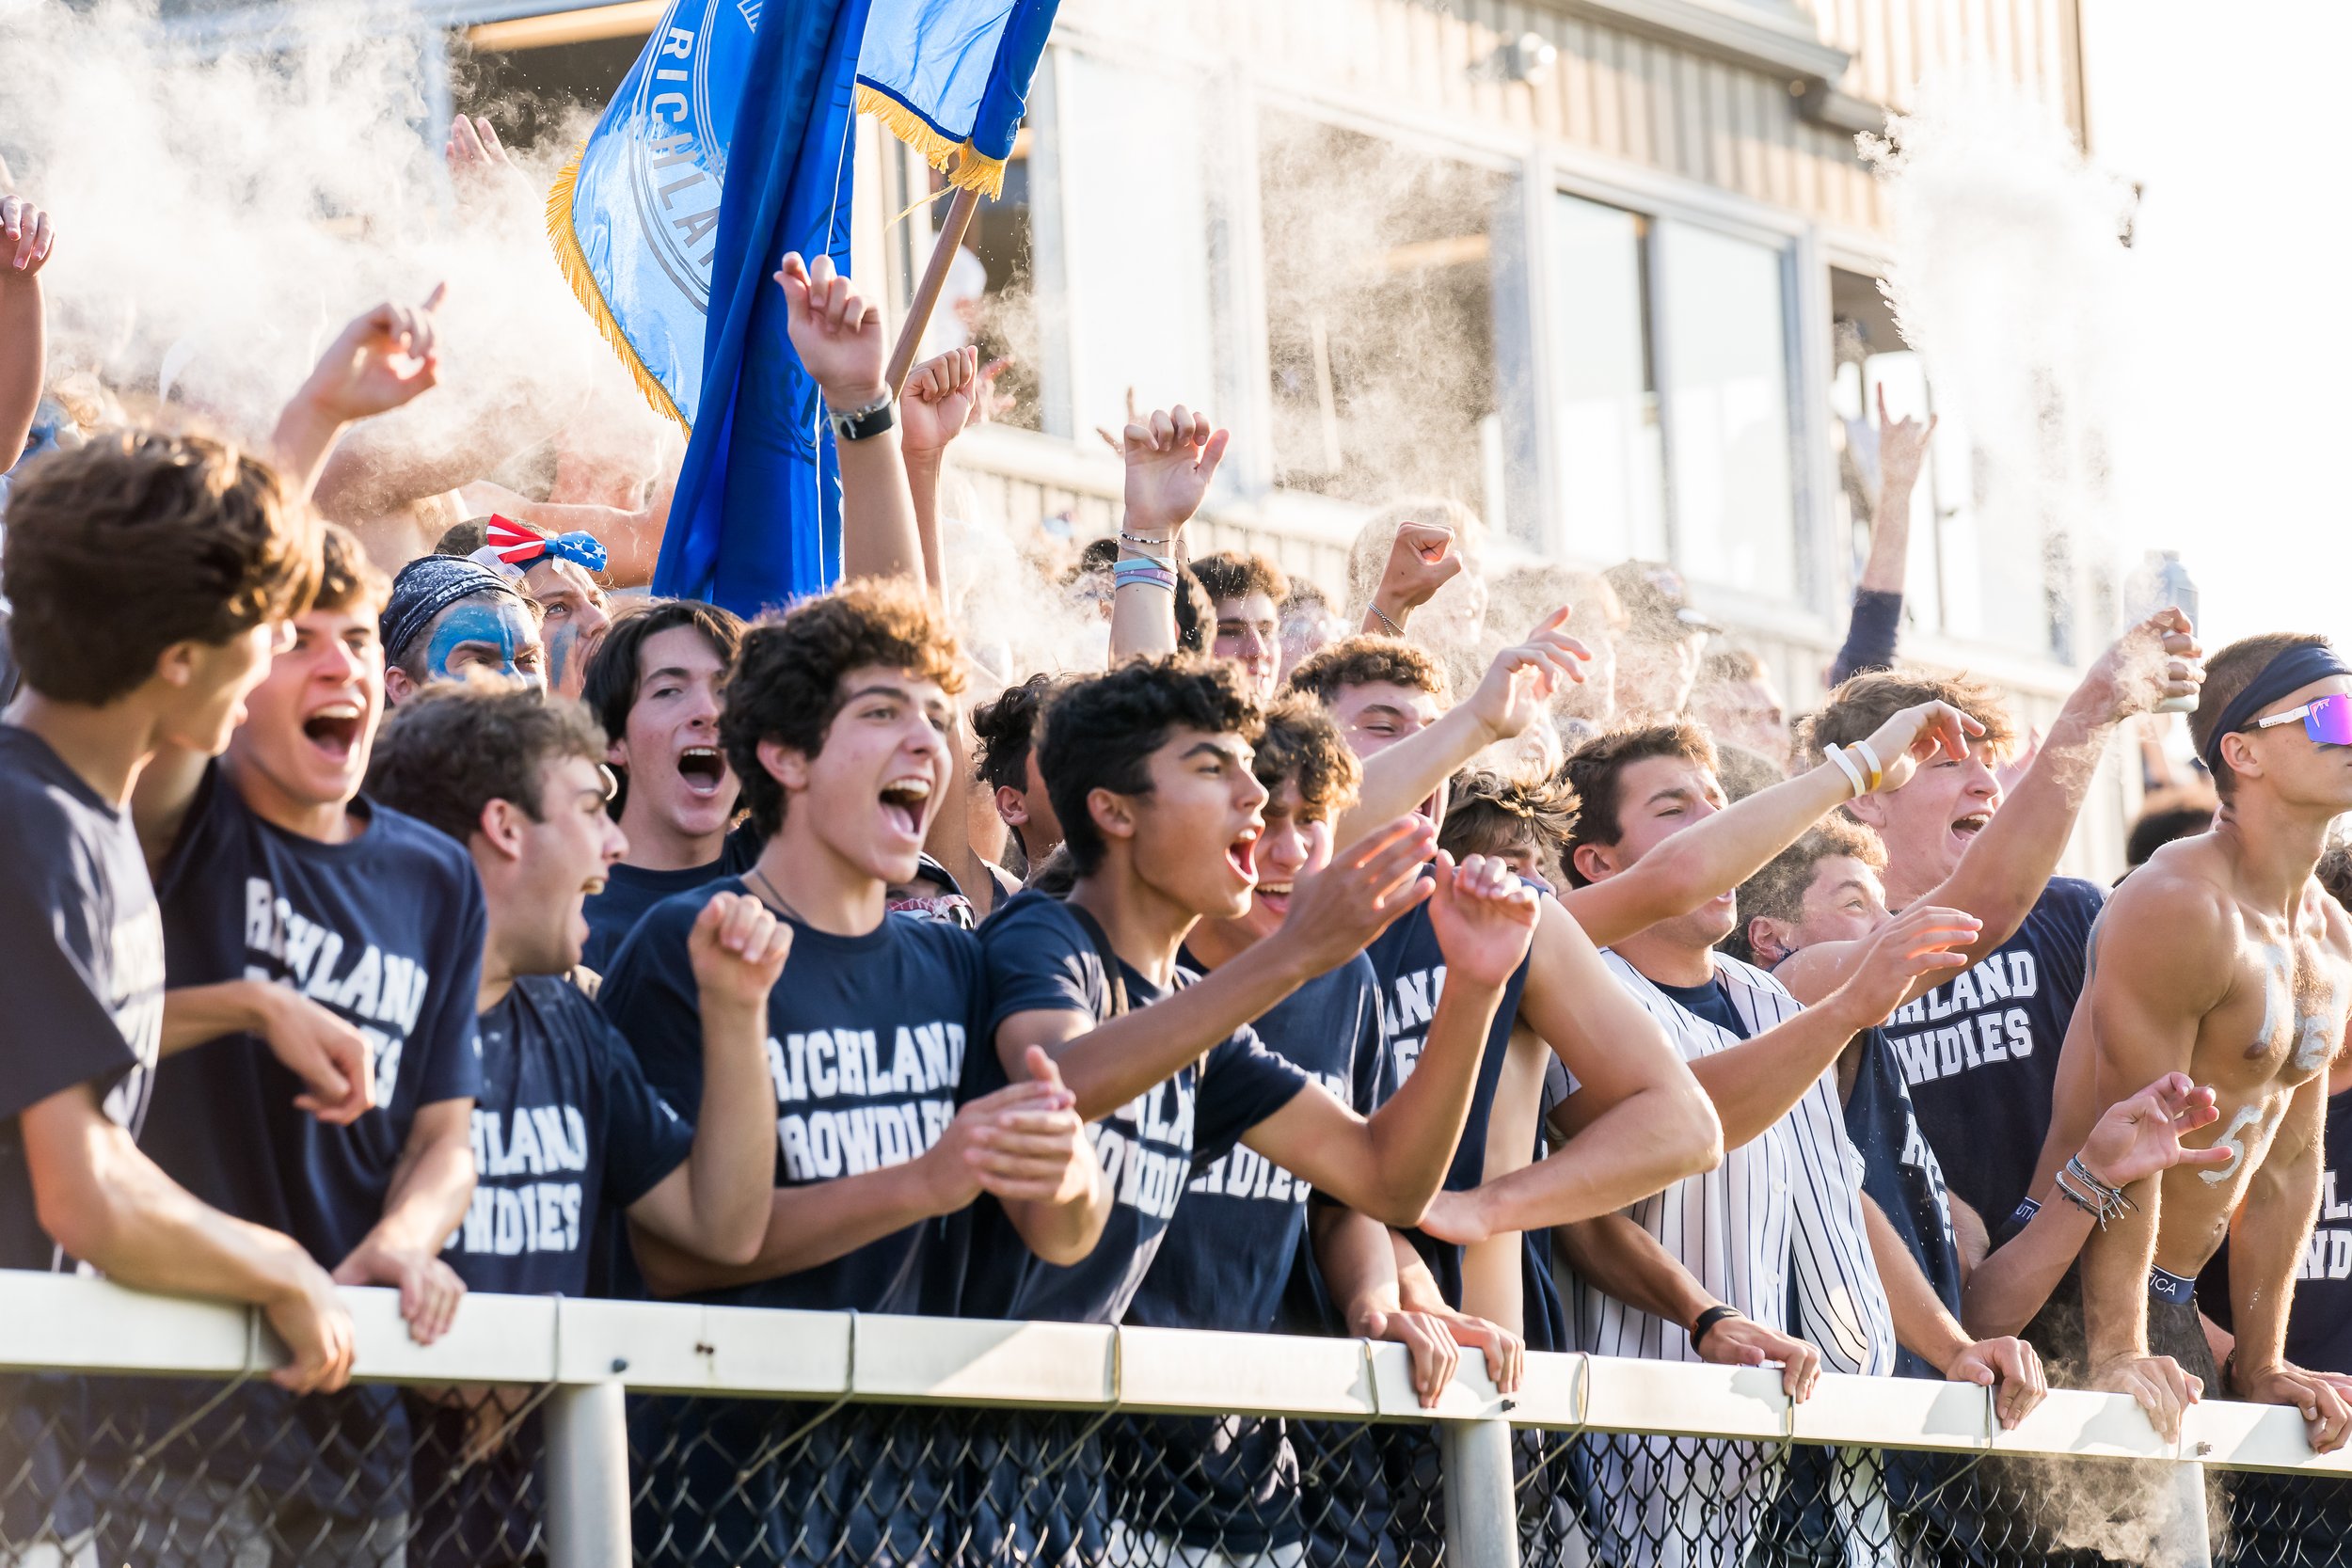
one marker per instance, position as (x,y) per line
(859,424)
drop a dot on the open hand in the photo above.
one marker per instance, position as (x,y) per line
(1171,457)
(1915,736)
(2140,1136)
(1903,448)
(1484,917)
(1024,1142)
(837,331)
(1917,941)
(941,400)
(26,238)
(429,1288)
(333,1059)
(477,161)
(1523,677)
(379,361)
(738,948)
(1334,913)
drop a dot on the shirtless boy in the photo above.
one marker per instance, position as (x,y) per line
(2224,959)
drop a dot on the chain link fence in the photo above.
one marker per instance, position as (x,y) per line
(99,1469)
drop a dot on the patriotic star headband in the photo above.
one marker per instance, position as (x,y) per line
(509,549)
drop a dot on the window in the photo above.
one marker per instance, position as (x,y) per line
(1381,296)
(1612,481)
(1967,577)
(1724,306)
(1133,207)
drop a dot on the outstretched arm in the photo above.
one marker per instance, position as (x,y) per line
(1390,1164)
(2006,867)
(1332,915)
(26,240)
(1421,560)
(2266,1242)
(1639,1121)
(837,332)
(1878,600)
(1171,457)
(1712,857)
(1926,1326)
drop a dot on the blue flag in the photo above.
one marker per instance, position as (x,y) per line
(728,144)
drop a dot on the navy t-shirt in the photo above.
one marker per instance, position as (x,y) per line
(629,891)
(1902,1176)
(385,932)
(85,962)
(1980,1051)
(866,1043)
(566,1123)
(1412,971)
(1041,959)
(1227,1255)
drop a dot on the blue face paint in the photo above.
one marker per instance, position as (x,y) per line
(500,625)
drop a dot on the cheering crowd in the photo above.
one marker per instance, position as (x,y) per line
(1483,964)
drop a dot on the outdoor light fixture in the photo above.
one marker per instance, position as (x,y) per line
(1526,59)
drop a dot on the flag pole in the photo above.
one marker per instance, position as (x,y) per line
(927,293)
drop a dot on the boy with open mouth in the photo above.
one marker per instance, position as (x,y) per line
(295,910)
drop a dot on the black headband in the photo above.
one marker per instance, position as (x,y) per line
(2294,669)
(428,585)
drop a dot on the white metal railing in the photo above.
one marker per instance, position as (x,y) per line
(588,1352)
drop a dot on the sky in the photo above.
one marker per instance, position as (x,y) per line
(2234,448)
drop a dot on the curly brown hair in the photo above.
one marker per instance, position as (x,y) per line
(456,746)
(1366,659)
(1100,733)
(117,549)
(1301,745)
(786,685)
(347,579)
(1595,771)
(1863,702)
(1487,813)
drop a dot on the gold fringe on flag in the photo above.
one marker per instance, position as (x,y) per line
(971,172)
(591,297)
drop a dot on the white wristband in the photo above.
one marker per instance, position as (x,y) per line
(1845,766)
(1876,772)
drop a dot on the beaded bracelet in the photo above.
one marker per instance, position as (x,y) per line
(1395,631)
(1126,538)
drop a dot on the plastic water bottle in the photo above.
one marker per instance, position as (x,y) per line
(2162,581)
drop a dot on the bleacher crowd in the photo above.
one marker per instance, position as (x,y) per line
(1484,964)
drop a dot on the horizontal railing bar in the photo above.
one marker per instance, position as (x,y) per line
(56,1322)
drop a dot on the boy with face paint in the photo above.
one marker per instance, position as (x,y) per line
(297,910)
(447,616)
(656,684)
(154,577)
(834,721)
(521,783)
(557,573)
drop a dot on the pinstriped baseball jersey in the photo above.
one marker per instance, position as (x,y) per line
(1778,1224)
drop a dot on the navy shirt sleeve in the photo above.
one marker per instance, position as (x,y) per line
(55,928)
(1241,1084)
(1039,960)
(1870,636)
(645,1138)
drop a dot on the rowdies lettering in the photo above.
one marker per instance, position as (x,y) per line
(1971,1025)
(509,1217)
(1405,1010)
(1244,1173)
(888,1105)
(1146,1147)
(381,994)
